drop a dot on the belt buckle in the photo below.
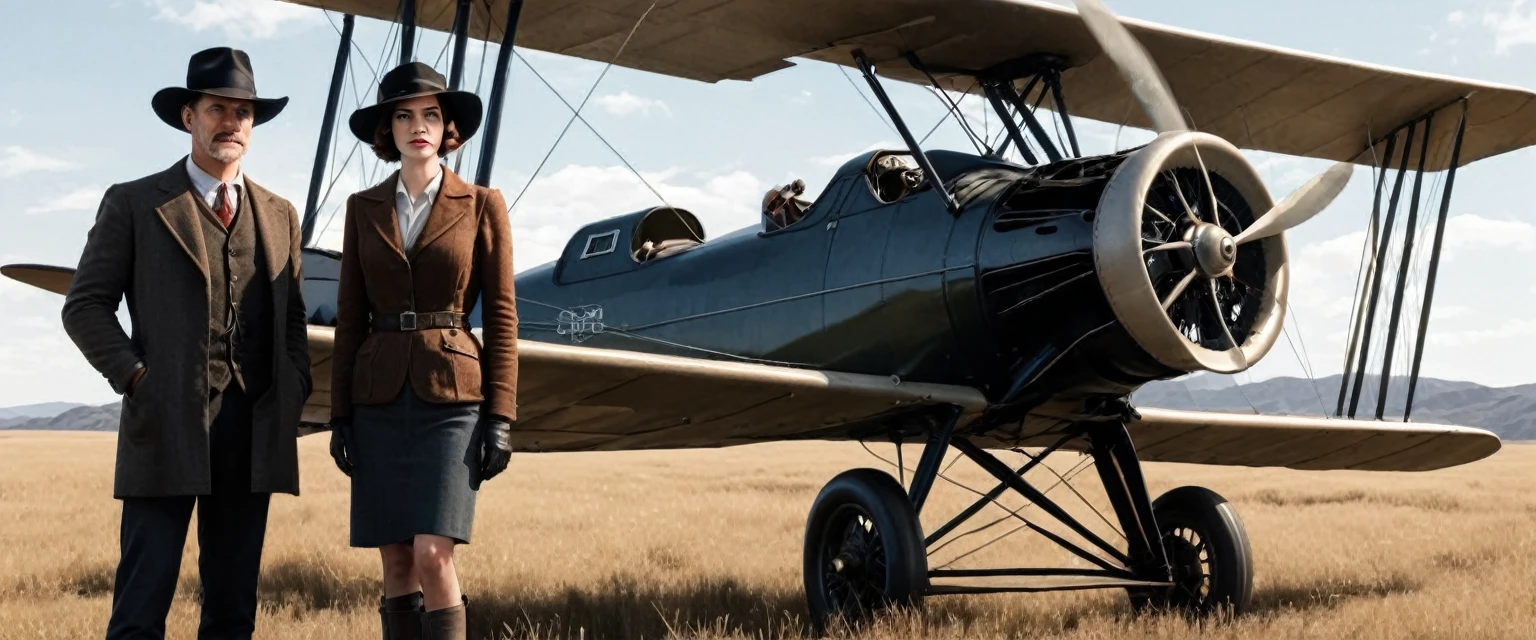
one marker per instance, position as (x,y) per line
(408,321)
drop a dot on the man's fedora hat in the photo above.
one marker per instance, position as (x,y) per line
(413,80)
(220,71)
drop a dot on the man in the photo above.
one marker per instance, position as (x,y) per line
(782,206)
(216,372)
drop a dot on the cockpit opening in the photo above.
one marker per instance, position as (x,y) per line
(893,175)
(783,206)
(665,231)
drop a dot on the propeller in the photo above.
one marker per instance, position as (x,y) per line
(1301,205)
(1151,90)
(1135,65)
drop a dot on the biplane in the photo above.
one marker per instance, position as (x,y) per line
(959,300)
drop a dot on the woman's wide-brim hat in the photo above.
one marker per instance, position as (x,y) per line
(414,80)
(220,71)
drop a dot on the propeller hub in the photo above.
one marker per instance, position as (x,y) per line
(1214,249)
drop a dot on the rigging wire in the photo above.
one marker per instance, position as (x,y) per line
(577,115)
(1366,261)
(485,44)
(350,73)
(577,111)
(953,110)
(878,113)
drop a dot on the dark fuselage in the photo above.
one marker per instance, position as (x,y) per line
(1000,297)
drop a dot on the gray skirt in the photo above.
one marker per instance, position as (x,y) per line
(415,469)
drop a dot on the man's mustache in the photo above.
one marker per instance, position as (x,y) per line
(229,137)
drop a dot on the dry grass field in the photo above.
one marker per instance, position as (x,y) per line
(707,544)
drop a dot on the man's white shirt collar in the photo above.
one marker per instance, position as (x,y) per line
(207,186)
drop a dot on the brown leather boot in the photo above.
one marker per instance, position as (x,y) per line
(401,616)
(447,624)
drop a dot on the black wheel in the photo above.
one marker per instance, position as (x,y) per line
(864,549)
(1208,548)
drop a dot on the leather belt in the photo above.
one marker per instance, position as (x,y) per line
(412,321)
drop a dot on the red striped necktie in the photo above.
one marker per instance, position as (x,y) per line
(226,208)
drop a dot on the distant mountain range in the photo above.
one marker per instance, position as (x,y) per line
(1509,412)
(73,417)
(43,410)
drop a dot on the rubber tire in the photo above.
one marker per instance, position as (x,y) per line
(886,503)
(1217,523)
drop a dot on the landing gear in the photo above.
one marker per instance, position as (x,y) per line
(1208,549)
(865,549)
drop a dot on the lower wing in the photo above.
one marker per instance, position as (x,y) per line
(588,399)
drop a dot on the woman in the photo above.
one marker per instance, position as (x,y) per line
(409,381)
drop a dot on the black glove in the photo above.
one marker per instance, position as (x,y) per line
(497,440)
(339,426)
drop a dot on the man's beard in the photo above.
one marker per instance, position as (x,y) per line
(222,154)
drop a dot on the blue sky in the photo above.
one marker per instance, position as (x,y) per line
(75,117)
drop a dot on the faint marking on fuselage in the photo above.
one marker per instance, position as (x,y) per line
(581,322)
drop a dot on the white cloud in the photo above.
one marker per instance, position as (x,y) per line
(804,98)
(12,291)
(1457,17)
(1511,27)
(625,103)
(17,161)
(837,159)
(1316,287)
(238,18)
(1283,174)
(82,199)
(1471,231)
(12,118)
(1504,332)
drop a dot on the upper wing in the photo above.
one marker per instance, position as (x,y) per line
(587,399)
(1254,95)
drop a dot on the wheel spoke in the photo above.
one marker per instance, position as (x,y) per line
(1160,214)
(1178,290)
(1168,246)
(1179,191)
(1222,320)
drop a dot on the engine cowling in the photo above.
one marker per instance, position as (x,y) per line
(1079,257)
(1165,258)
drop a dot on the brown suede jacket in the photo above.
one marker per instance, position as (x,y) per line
(463,254)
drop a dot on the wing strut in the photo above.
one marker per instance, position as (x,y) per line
(327,128)
(1381,255)
(1402,269)
(460,40)
(917,152)
(1434,259)
(1370,269)
(498,95)
(1414,137)
(1005,91)
(1014,133)
(407,30)
(1053,80)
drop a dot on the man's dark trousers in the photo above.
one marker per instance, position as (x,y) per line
(231,526)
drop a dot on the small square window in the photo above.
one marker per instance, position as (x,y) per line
(600,243)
